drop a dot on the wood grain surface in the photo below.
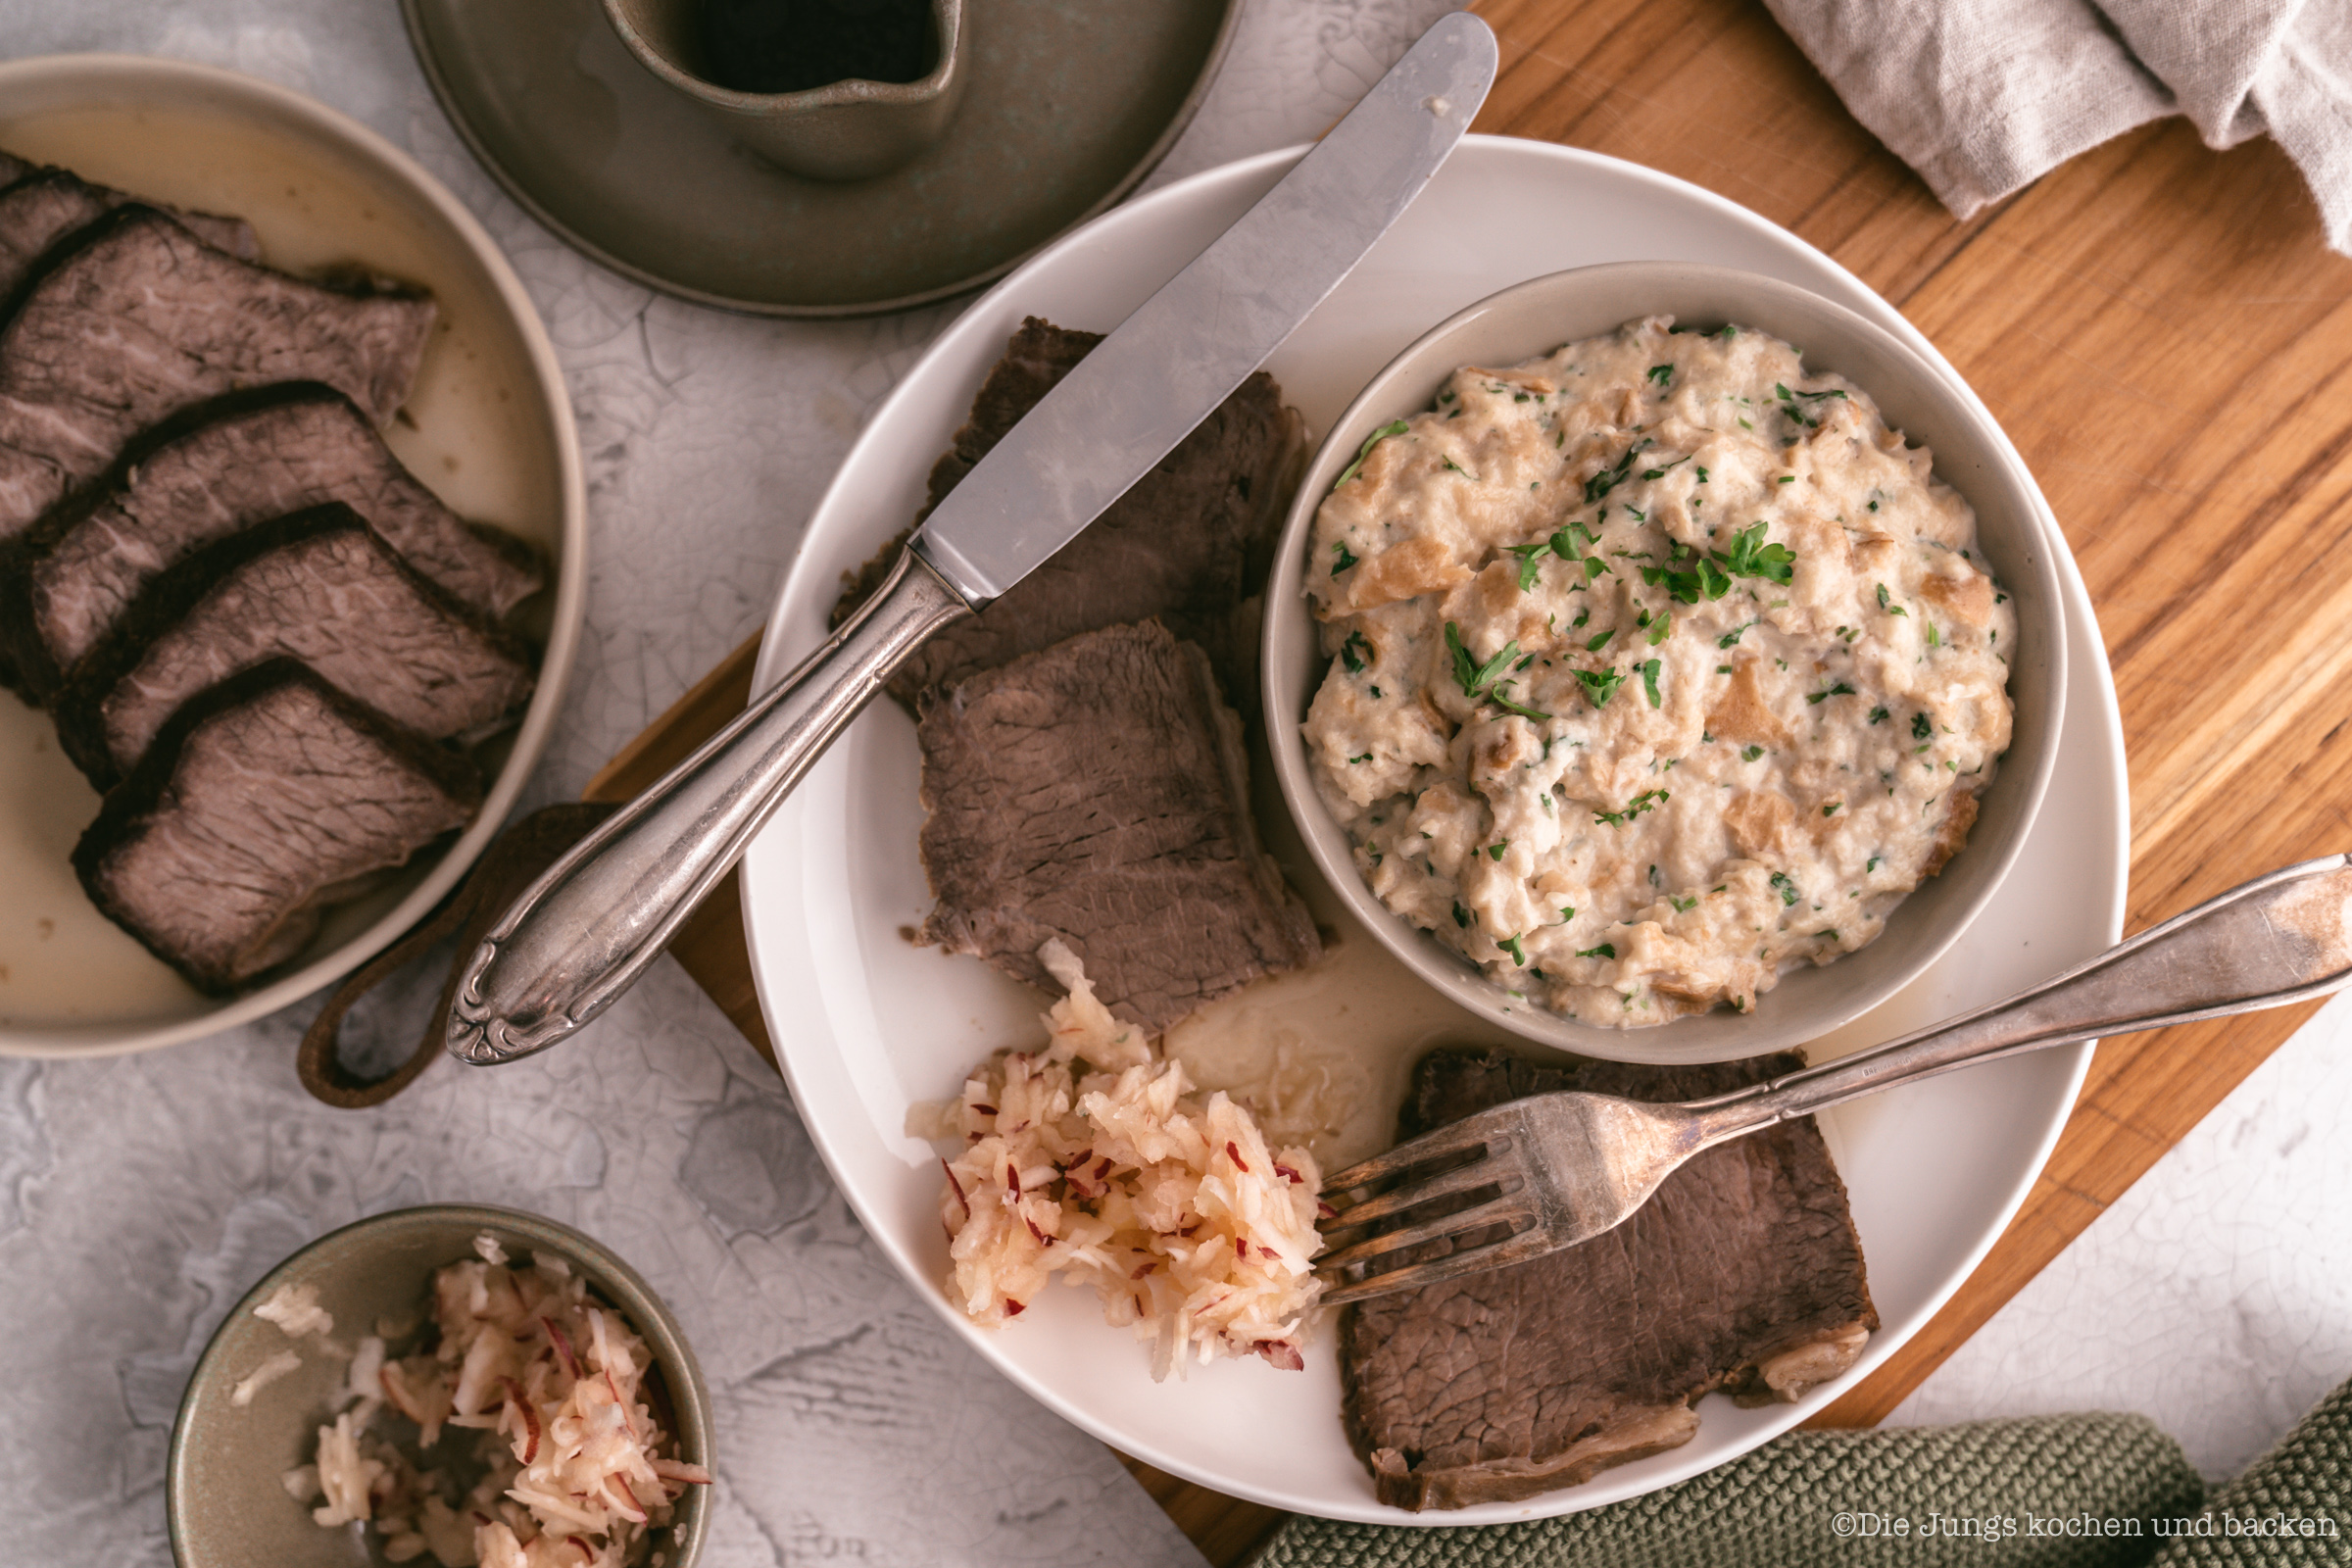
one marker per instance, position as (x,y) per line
(2162,333)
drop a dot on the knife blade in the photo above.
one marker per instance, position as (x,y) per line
(584,932)
(1184,350)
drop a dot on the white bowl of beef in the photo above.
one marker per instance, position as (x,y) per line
(1970,455)
(468,470)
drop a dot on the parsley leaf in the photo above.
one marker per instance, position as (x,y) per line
(1510,945)
(1497,698)
(1878,715)
(1646,801)
(1609,478)
(1749,754)
(1661,374)
(1597,644)
(1751,556)
(1786,888)
(1476,677)
(1731,639)
(1346,559)
(1607,950)
(1650,682)
(1888,605)
(1495,851)
(1921,730)
(1531,559)
(1599,685)
(1356,653)
(1841,689)
(1661,631)
(1461,917)
(1393,427)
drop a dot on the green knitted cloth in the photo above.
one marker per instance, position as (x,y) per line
(1996,1494)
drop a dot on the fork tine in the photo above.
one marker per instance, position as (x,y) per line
(1492,1170)
(1513,1249)
(1494,1211)
(1468,1136)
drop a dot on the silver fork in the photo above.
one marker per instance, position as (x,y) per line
(1534,1175)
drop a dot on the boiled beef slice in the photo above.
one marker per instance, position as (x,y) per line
(1097,790)
(266,801)
(134,317)
(1744,1273)
(1188,544)
(208,474)
(38,207)
(318,586)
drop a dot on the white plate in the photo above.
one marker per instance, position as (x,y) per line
(865,1022)
(488,426)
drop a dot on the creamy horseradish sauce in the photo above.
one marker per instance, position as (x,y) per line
(1657,665)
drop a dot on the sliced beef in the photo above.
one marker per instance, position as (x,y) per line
(208,474)
(318,586)
(1742,1273)
(266,801)
(1098,791)
(1189,544)
(38,207)
(134,317)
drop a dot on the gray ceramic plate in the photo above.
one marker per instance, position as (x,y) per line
(1069,106)
(487,427)
(1970,455)
(222,1495)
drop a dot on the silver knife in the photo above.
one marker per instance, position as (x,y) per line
(582,934)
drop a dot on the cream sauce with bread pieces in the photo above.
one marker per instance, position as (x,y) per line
(1658,664)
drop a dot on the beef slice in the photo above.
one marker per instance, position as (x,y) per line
(268,800)
(1189,544)
(318,586)
(207,473)
(134,317)
(1098,791)
(1743,1272)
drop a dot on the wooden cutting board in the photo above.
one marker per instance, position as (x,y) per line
(2161,331)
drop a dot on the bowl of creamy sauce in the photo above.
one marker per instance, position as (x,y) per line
(1665,660)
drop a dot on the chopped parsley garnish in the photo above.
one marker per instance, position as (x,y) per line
(1473,677)
(1393,427)
(1461,917)
(1597,644)
(1609,478)
(1731,639)
(1345,558)
(1682,906)
(1660,474)
(1607,950)
(1921,730)
(1366,757)
(1751,556)
(1572,541)
(1887,604)
(1459,468)
(1788,889)
(1646,801)
(1841,689)
(1504,703)
(1599,685)
(1934,641)
(1495,851)
(1749,754)
(1650,682)
(1661,374)
(1531,559)
(1567,912)
(1661,631)
(1356,653)
(1510,945)
(1831,810)
(1872,865)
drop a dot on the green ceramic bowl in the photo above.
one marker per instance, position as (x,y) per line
(225,1503)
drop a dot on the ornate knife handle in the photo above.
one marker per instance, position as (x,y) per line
(582,934)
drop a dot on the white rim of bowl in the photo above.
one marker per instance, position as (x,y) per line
(140,74)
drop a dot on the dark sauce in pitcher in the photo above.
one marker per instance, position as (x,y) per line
(793,45)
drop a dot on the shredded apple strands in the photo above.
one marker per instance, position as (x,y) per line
(1092,1159)
(552,1378)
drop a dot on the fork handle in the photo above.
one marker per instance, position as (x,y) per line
(2277,939)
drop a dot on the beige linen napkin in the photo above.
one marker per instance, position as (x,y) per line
(1984,96)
